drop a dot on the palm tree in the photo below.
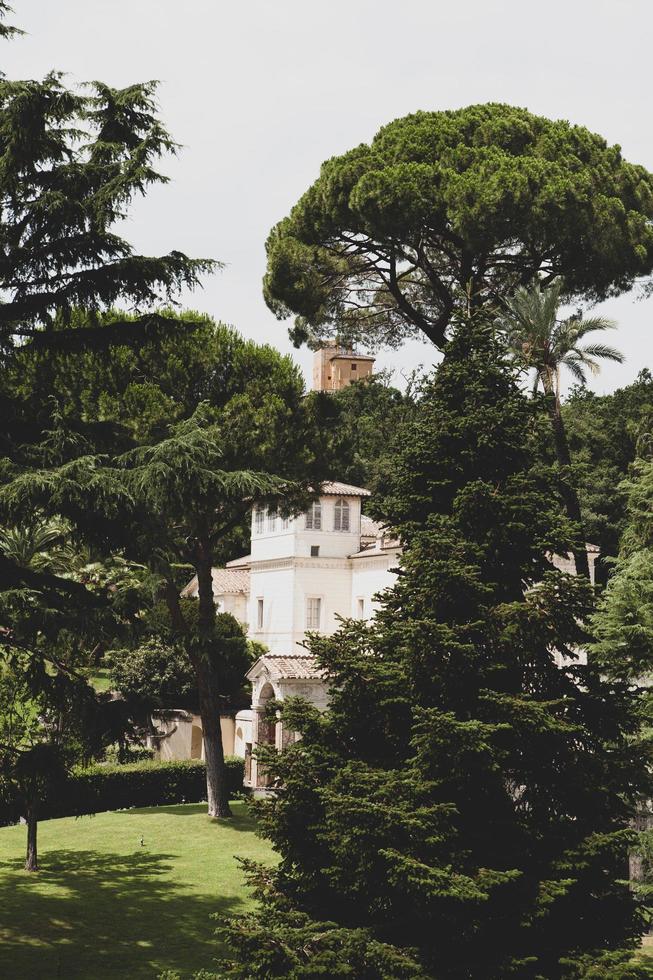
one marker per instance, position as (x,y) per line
(42,545)
(540,341)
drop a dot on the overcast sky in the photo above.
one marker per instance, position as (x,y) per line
(261,92)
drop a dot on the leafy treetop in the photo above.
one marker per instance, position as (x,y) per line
(442,205)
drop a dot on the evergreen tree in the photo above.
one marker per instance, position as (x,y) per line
(539,340)
(72,161)
(442,209)
(174,501)
(461,809)
(624,620)
(606,433)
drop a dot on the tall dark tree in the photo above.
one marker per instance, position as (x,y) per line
(624,620)
(461,808)
(605,434)
(174,501)
(368,412)
(446,209)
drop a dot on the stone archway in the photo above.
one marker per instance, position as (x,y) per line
(266,732)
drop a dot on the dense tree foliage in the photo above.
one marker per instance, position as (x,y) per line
(460,810)
(71,163)
(167,478)
(541,341)
(604,433)
(368,411)
(446,209)
(624,622)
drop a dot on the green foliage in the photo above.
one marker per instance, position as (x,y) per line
(368,411)
(446,208)
(104,786)
(624,620)
(461,808)
(73,161)
(154,674)
(604,433)
(539,340)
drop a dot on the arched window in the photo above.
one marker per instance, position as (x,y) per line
(341,519)
(314,516)
(259,515)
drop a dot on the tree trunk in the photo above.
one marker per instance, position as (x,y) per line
(216,784)
(31,859)
(570,497)
(208,689)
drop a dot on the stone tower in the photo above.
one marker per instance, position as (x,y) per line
(335,366)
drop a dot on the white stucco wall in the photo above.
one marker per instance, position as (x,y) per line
(236,604)
(243,731)
(297,539)
(369,577)
(183,736)
(328,580)
(273,582)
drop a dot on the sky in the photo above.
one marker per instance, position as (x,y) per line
(260,92)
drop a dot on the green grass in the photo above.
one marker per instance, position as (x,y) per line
(100,679)
(104,906)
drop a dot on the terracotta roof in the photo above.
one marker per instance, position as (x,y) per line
(226,581)
(243,562)
(379,549)
(333,488)
(295,666)
(229,581)
(370,528)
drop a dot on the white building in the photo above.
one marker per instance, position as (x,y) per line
(304,574)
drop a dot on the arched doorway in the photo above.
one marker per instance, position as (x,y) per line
(266,732)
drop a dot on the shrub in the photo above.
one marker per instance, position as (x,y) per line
(114,787)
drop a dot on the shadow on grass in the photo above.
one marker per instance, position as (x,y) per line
(242,818)
(89,915)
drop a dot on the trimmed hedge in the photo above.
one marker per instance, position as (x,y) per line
(137,784)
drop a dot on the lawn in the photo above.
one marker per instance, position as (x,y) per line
(105,906)
(100,679)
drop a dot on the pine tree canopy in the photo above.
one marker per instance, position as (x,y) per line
(446,208)
(72,161)
(461,809)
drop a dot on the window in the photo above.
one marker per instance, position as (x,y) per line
(313,610)
(341,518)
(361,608)
(259,515)
(272,520)
(354,367)
(259,614)
(314,516)
(315,551)
(285,523)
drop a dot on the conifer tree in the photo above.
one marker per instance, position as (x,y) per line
(461,809)
(172,502)
(624,620)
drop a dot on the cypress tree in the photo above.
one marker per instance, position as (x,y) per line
(461,809)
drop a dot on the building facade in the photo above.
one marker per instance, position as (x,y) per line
(304,574)
(335,367)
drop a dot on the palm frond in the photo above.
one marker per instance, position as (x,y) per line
(576,369)
(604,352)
